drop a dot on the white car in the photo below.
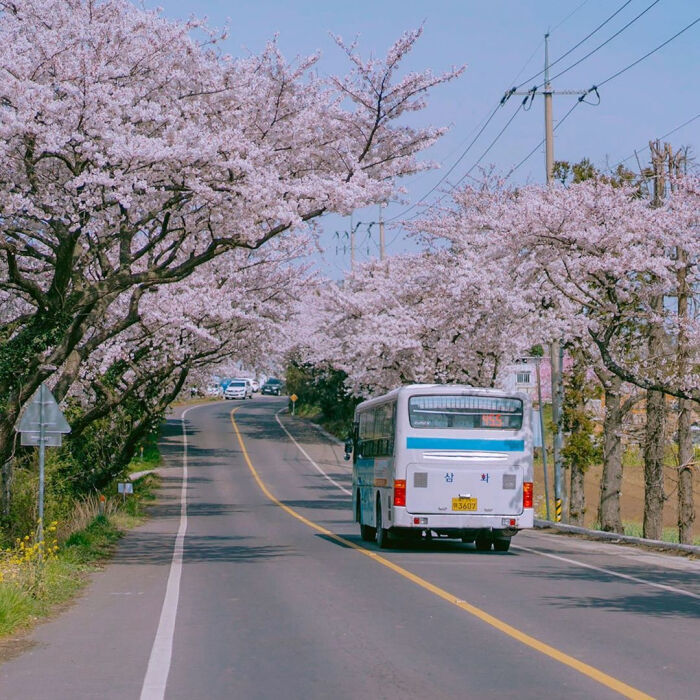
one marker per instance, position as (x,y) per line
(215,390)
(254,386)
(238,389)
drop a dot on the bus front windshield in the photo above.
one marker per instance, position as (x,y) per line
(465,412)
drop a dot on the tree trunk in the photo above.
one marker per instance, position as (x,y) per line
(577,496)
(611,480)
(686,450)
(686,457)
(6,494)
(578,453)
(654,495)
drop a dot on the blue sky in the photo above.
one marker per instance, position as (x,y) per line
(501,41)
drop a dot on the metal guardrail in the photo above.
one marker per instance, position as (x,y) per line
(616,537)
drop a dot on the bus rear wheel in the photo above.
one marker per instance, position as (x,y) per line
(367,532)
(382,533)
(501,544)
(483,543)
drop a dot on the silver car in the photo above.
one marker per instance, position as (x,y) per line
(238,389)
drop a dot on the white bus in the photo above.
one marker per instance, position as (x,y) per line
(444,460)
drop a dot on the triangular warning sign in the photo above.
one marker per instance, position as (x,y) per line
(43,408)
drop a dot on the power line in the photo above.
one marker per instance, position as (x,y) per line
(475,164)
(500,104)
(646,55)
(570,15)
(539,145)
(594,89)
(607,41)
(401,214)
(661,138)
(586,38)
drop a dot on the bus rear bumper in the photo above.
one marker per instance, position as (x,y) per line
(458,523)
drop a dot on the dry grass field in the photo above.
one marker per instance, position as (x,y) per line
(631,498)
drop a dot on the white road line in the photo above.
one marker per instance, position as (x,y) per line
(306,454)
(672,589)
(662,586)
(162,651)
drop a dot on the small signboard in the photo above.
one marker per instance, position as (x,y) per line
(125,487)
(293,397)
(32,439)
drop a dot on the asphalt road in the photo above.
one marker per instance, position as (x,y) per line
(267,592)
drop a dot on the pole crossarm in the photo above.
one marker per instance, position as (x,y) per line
(550,92)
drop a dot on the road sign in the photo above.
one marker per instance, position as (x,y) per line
(42,409)
(42,423)
(125,487)
(293,397)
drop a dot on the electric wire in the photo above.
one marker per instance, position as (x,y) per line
(401,214)
(507,95)
(586,38)
(492,114)
(539,145)
(452,187)
(595,87)
(607,41)
(570,15)
(646,55)
(666,135)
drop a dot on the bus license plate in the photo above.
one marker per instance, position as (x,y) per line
(464,504)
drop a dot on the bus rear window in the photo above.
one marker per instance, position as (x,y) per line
(465,412)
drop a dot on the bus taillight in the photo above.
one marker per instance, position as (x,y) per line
(399,492)
(527,494)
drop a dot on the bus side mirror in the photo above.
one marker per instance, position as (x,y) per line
(348,449)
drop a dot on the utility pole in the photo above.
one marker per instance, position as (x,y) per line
(352,246)
(555,348)
(654,438)
(382,247)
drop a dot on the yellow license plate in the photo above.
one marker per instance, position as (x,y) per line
(464,504)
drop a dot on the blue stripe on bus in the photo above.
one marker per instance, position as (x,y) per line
(426,443)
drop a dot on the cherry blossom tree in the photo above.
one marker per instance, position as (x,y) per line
(232,308)
(429,317)
(132,154)
(598,257)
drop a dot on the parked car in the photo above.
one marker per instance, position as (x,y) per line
(272,386)
(248,384)
(238,389)
(215,390)
(253,383)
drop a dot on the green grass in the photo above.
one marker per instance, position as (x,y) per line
(670,534)
(148,457)
(39,590)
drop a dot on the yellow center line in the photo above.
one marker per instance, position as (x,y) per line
(590,671)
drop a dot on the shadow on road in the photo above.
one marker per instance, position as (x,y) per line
(434,546)
(656,603)
(151,548)
(677,579)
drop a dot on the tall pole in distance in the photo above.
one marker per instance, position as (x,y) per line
(382,247)
(352,246)
(548,128)
(555,346)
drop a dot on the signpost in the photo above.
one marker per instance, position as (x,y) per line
(42,424)
(125,487)
(293,398)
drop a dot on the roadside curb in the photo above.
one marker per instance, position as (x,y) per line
(617,538)
(139,475)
